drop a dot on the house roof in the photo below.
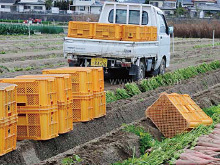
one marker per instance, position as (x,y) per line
(213,1)
(7,1)
(31,3)
(207,8)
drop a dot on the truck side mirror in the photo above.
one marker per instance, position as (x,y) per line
(170,30)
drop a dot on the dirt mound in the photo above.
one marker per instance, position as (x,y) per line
(123,111)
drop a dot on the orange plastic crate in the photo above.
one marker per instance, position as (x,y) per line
(64,97)
(62,82)
(133,33)
(139,33)
(34,92)
(8,135)
(8,100)
(81,29)
(97,79)
(65,117)
(175,113)
(82,108)
(81,78)
(99,104)
(106,31)
(40,124)
(153,33)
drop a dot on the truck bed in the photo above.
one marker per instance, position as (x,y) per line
(109,48)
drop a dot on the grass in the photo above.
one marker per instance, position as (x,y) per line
(205,46)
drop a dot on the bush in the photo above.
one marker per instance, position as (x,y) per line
(8,29)
(203,29)
(47,29)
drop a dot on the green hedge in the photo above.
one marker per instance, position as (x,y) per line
(9,29)
(167,79)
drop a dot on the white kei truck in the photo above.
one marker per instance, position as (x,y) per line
(137,58)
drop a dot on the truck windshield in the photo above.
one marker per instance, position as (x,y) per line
(134,17)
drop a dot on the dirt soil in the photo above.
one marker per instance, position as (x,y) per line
(122,111)
(21,55)
(119,145)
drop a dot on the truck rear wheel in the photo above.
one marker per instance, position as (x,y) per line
(161,69)
(140,72)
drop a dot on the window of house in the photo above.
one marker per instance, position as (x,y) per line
(82,8)
(27,7)
(5,6)
(38,7)
(134,17)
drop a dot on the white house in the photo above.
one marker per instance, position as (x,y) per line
(7,5)
(86,6)
(31,5)
(168,6)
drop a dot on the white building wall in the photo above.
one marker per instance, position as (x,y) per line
(83,2)
(6,7)
(96,9)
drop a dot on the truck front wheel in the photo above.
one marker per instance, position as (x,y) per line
(140,72)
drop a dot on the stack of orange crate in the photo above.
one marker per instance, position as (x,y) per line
(64,99)
(82,91)
(37,107)
(98,92)
(109,31)
(8,118)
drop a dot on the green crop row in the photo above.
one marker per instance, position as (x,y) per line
(9,29)
(169,150)
(167,79)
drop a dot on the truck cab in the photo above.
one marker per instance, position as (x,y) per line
(135,57)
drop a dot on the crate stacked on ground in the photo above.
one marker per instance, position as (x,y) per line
(37,107)
(64,100)
(8,118)
(99,100)
(110,31)
(174,114)
(82,91)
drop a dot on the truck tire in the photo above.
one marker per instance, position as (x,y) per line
(161,69)
(140,73)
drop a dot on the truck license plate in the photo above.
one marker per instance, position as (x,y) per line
(99,62)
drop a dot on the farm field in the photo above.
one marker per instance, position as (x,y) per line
(105,140)
(21,55)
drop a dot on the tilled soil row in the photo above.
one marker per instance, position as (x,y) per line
(122,111)
(119,145)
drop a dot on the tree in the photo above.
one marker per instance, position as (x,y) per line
(48,4)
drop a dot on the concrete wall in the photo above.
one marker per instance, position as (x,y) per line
(44,17)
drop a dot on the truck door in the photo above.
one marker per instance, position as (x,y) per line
(164,38)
